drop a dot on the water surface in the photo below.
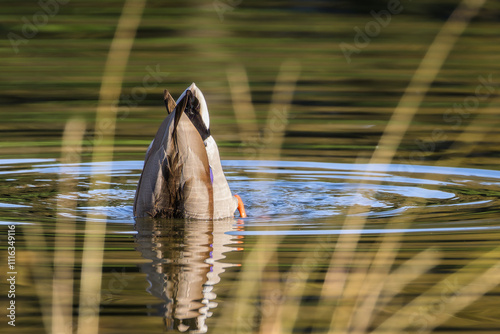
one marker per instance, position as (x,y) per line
(178,274)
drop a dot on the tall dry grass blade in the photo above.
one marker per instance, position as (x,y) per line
(381,286)
(353,278)
(252,277)
(344,252)
(397,279)
(370,288)
(55,287)
(343,255)
(270,294)
(114,71)
(268,144)
(289,308)
(407,272)
(242,102)
(447,297)
(277,118)
(243,312)
(64,254)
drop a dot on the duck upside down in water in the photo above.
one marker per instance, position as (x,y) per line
(182,175)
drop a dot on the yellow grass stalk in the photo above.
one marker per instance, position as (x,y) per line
(64,254)
(95,229)
(243,312)
(369,290)
(343,255)
(289,308)
(381,283)
(242,102)
(251,278)
(55,287)
(408,271)
(268,144)
(277,118)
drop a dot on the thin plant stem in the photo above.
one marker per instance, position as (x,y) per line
(269,142)
(278,115)
(95,229)
(408,271)
(64,254)
(243,312)
(242,102)
(289,309)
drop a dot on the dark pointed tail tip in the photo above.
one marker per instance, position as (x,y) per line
(241,207)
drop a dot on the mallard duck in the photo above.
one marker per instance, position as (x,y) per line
(182,175)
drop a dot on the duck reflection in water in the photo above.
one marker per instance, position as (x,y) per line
(185,266)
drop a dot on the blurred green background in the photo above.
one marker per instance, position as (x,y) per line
(339,108)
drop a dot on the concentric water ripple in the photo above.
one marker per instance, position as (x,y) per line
(278,193)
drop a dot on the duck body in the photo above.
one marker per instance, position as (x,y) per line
(182,175)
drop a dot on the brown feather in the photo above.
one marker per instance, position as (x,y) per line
(169,101)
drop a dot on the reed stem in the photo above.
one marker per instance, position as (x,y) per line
(95,229)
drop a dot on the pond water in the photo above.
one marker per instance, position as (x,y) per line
(239,275)
(332,243)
